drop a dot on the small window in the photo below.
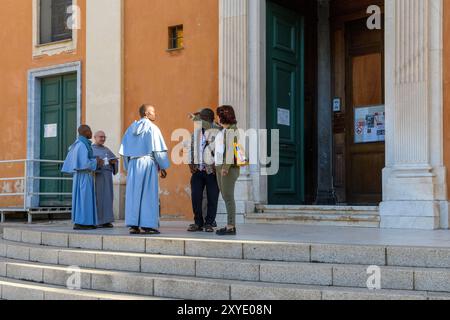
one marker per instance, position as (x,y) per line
(176,40)
(53,17)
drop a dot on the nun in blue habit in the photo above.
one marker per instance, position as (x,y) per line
(145,159)
(82,164)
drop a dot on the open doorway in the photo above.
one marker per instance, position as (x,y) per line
(357,83)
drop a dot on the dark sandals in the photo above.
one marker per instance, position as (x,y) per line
(226,232)
(194,228)
(197,228)
(150,231)
(106,226)
(83,227)
(135,230)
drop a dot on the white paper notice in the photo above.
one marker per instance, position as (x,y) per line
(51,130)
(284,117)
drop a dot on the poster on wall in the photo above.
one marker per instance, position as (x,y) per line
(51,130)
(370,124)
(284,117)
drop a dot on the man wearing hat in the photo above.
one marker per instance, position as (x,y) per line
(203,172)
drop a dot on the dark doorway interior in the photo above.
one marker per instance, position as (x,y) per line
(358,81)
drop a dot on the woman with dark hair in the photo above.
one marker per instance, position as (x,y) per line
(227,170)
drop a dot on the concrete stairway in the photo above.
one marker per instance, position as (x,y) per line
(24,290)
(345,216)
(34,264)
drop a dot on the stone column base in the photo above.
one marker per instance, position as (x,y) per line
(414,198)
(242,208)
(243,197)
(119,196)
(425,215)
(222,219)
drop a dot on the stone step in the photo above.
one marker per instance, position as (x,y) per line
(330,210)
(349,275)
(176,287)
(340,216)
(403,256)
(25,290)
(306,218)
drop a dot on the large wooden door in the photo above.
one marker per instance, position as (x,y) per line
(58,132)
(365,119)
(285,102)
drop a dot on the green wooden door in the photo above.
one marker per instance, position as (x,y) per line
(58,132)
(285,101)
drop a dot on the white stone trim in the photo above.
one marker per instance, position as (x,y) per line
(257,87)
(34,115)
(53,48)
(233,67)
(233,84)
(104,78)
(414,180)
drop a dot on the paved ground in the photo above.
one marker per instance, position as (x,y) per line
(281,233)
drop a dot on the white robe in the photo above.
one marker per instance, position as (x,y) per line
(145,153)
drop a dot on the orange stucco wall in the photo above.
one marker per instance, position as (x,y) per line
(16,58)
(447,91)
(175,83)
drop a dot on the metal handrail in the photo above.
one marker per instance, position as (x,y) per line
(49,194)
(13,161)
(50,178)
(26,193)
(12,179)
(31,160)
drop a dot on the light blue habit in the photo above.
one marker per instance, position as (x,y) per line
(145,153)
(82,167)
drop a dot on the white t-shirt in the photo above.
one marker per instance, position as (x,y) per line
(219,149)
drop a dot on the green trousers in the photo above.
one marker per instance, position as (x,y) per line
(227,185)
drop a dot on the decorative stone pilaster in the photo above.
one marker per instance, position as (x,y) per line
(325,194)
(414,180)
(233,57)
(104,79)
(257,88)
(233,84)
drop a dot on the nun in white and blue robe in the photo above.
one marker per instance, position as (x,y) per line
(145,154)
(80,162)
